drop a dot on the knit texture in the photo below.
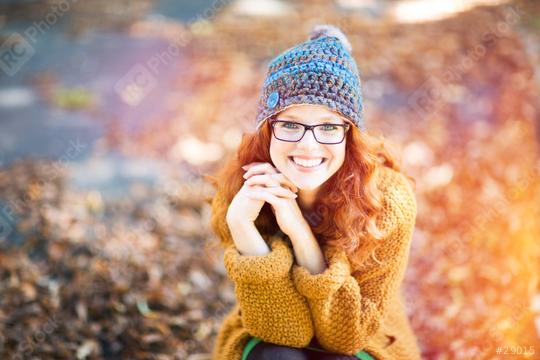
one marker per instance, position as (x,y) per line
(346,310)
(319,71)
(272,309)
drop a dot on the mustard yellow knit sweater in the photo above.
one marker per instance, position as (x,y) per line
(283,303)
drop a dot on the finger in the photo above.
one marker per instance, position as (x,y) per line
(260,168)
(252,172)
(247,166)
(281,192)
(264,179)
(285,180)
(266,196)
(271,180)
(276,190)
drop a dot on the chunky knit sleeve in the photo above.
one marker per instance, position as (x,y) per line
(347,310)
(271,307)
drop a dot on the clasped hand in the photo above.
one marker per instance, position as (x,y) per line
(265,183)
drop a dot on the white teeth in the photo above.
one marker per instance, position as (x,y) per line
(308,163)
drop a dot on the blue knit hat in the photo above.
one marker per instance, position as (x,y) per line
(319,71)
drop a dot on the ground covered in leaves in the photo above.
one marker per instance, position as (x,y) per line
(140,276)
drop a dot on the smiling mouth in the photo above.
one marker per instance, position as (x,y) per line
(307,164)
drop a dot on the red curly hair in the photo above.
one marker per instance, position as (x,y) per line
(345,217)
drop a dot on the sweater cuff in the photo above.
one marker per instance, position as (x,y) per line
(323,285)
(259,268)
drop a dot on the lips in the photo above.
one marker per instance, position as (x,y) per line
(306,157)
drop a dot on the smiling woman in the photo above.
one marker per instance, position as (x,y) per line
(315,218)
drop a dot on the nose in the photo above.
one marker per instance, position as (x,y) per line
(308,140)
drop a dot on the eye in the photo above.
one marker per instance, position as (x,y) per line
(329,127)
(288,125)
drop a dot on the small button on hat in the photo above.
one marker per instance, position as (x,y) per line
(272,100)
(319,71)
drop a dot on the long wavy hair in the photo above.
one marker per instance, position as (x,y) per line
(344,217)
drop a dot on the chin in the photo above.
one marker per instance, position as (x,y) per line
(303,182)
(305,185)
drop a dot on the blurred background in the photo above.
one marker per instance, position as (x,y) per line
(113,112)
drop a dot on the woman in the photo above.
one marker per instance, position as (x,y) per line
(316,220)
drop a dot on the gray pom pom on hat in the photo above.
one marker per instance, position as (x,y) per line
(321,30)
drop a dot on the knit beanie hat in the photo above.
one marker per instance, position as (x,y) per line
(319,71)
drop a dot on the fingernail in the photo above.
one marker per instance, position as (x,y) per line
(244,167)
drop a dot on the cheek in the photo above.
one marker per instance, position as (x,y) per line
(278,151)
(339,157)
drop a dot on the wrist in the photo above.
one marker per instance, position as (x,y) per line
(239,223)
(301,231)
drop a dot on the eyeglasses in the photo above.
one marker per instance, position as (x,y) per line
(293,131)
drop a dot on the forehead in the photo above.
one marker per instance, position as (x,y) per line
(310,114)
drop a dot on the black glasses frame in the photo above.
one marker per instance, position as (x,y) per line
(309,127)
